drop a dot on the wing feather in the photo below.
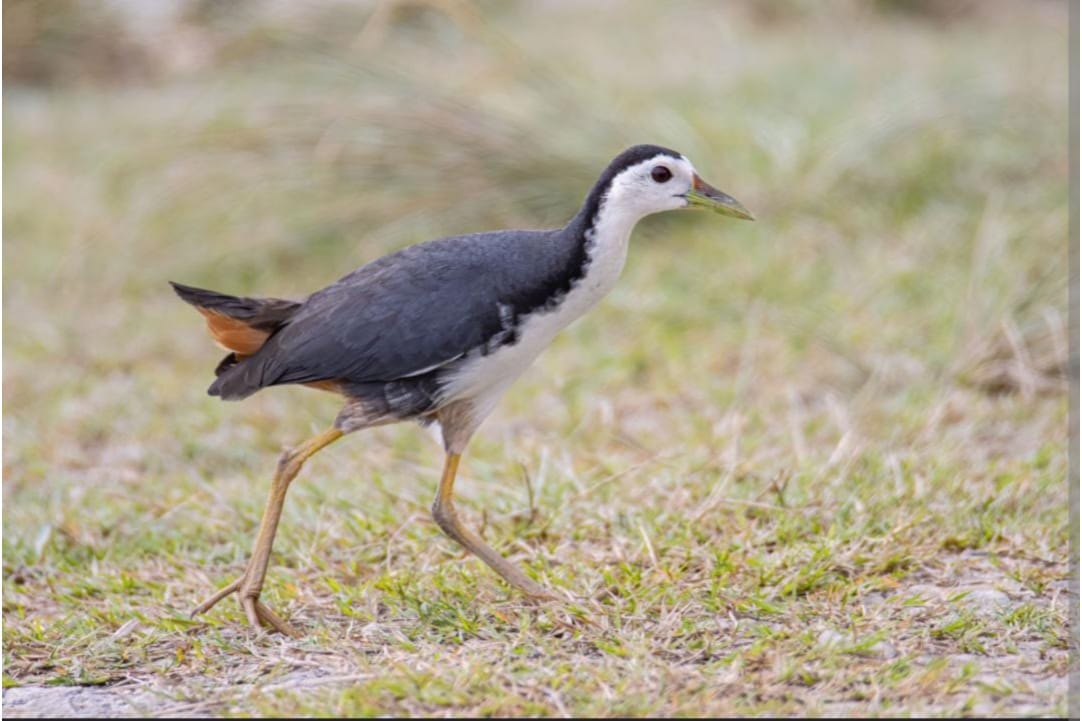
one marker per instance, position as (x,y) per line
(413,311)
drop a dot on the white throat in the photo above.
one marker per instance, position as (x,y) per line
(607,241)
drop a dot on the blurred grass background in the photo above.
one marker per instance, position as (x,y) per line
(863,391)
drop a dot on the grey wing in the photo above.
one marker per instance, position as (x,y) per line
(414,310)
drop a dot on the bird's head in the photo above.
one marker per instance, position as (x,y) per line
(646,179)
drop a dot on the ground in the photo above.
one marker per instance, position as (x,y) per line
(812,465)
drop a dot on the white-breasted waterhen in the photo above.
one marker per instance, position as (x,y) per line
(436,332)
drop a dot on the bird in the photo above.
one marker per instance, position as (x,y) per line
(436,332)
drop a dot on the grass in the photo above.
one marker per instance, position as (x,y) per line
(811,465)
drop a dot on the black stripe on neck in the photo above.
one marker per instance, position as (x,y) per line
(581,227)
(586,219)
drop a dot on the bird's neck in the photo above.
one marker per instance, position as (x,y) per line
(602,229)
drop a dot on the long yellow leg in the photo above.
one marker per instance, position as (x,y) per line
(249,585)
(443,510)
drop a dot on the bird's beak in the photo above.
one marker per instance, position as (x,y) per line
(704,195)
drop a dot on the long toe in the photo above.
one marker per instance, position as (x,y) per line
(257,612)
(260,615)
(543,594)
(275,621)
(218,596)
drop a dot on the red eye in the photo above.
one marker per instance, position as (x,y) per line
(661,174)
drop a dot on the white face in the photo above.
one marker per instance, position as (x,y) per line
(651,186)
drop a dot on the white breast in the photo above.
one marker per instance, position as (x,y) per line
(486,375)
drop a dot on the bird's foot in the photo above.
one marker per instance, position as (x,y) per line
(540,594)
(570,610)
(258,613)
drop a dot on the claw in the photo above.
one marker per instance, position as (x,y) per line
(258,613)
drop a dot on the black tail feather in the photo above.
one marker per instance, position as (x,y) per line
(226,363)
(236,378)
(260,313)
